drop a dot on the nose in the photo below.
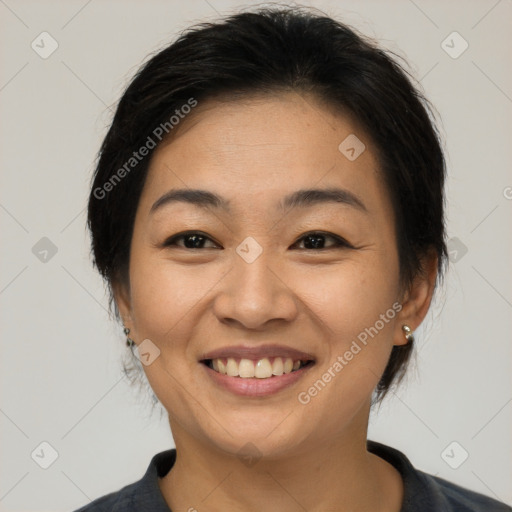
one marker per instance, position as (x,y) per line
(255,294)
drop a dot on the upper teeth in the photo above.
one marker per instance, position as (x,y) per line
(261,369)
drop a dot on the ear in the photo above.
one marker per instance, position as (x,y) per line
(417,299)
(122,297)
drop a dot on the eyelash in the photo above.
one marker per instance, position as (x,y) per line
(339,242)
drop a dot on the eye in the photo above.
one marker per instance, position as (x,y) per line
(197,240)
(191,240)
(316,240)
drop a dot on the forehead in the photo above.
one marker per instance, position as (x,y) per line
(264,147)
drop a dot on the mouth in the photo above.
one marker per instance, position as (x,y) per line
(261,368)
(256,371)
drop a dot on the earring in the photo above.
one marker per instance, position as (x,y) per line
(408,333)
(129,341)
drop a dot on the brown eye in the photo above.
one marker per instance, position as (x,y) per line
(313,240)
(191,240)
(316,240)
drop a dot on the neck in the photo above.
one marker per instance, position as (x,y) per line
(338,475)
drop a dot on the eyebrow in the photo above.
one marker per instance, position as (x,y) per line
(298,199)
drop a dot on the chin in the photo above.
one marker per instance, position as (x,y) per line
(259,438)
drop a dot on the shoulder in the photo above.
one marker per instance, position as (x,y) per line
(427,493)
(460,499)
(110,502)
(140,496)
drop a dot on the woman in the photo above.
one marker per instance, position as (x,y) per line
(268,212)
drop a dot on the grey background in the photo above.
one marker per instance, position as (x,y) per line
(61,380)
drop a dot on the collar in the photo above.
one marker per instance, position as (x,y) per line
(418,486)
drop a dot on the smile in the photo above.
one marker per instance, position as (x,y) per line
(264,368)
(256,371)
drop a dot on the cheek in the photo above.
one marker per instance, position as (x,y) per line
(352,296)
(164,293)
(357,306)
(357,311)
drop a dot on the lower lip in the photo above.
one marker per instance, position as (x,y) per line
(254,386)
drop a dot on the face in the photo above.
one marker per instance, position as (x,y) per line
(256,278)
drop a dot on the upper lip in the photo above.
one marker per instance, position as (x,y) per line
(245,352)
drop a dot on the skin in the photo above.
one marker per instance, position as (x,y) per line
(189,301)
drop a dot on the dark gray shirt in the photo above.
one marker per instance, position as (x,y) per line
(422,492)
